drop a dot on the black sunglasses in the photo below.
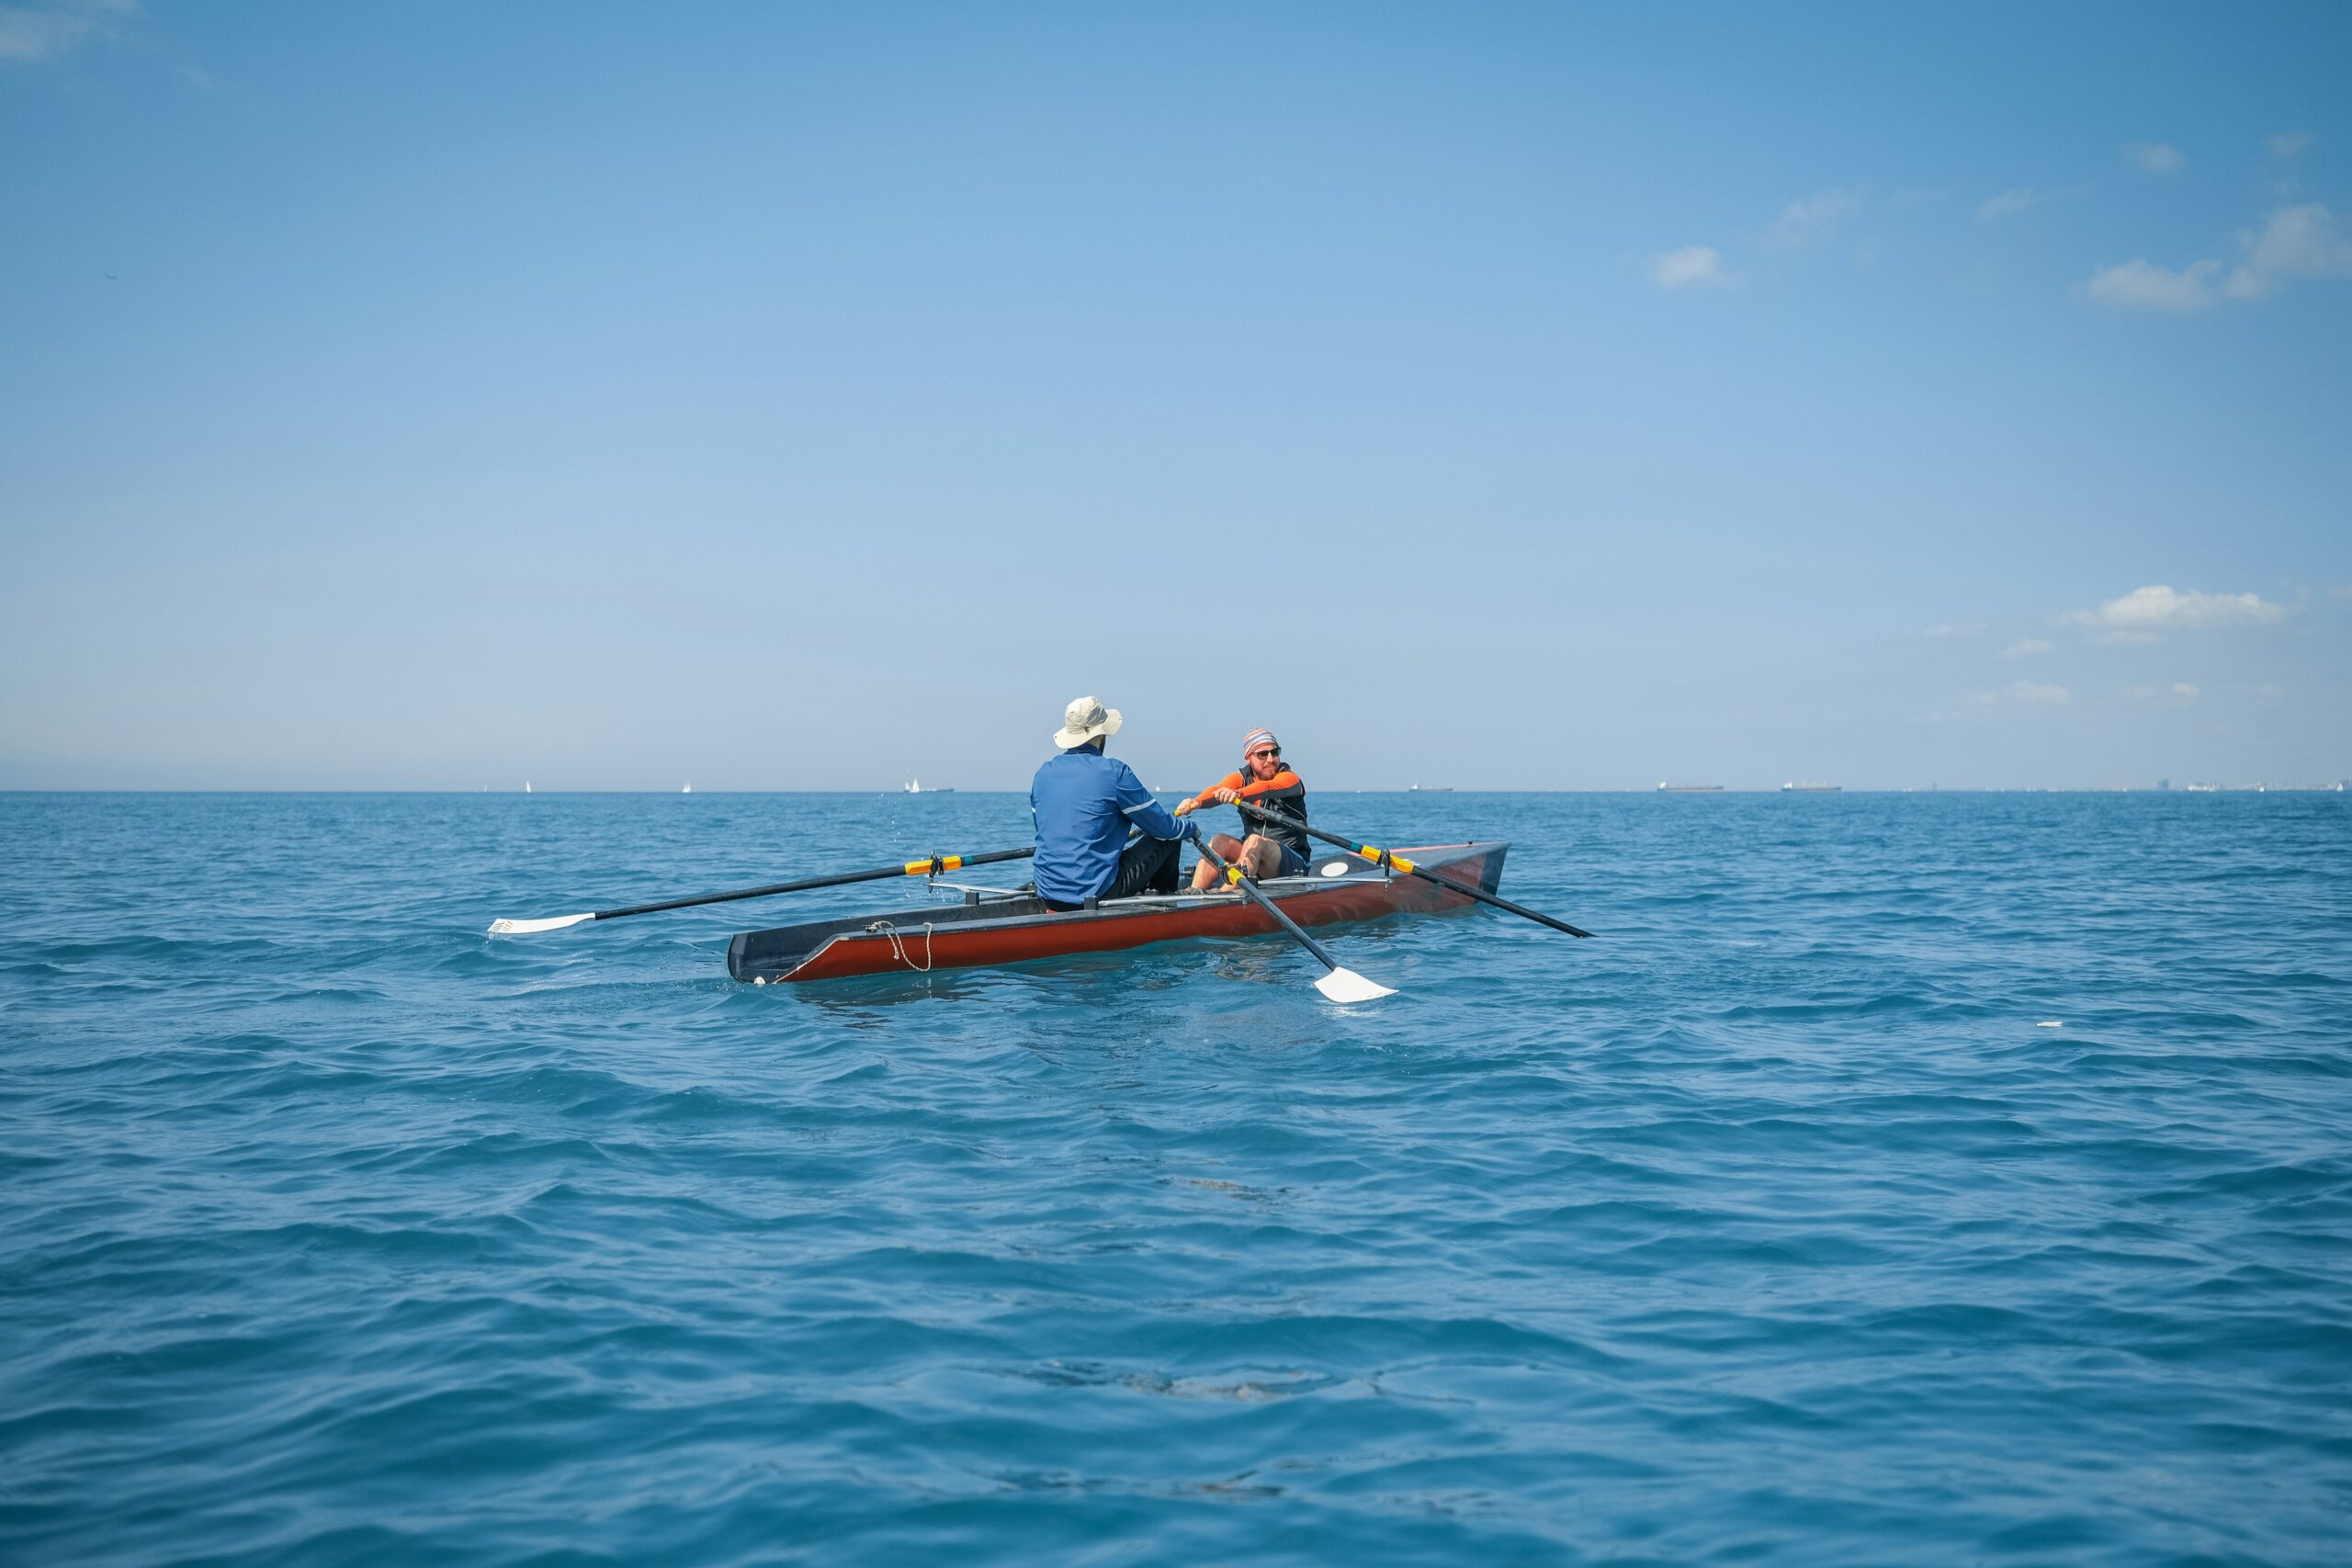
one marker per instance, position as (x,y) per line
(1269,751)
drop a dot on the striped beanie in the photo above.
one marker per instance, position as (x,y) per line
(1258,737)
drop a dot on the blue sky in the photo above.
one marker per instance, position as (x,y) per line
(442,396)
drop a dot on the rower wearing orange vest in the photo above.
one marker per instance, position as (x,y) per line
(1270,850)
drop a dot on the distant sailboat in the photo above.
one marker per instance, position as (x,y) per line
(688,790)
(526,786)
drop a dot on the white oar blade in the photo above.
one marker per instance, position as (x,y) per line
(520,928)
(1347,985)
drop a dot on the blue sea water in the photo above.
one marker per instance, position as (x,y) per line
(1893,1179)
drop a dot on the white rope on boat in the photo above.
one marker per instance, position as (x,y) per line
(898,946)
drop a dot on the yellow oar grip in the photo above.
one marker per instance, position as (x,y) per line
(1379,856)
(933,866)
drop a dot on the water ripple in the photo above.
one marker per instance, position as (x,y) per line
(1927,1178)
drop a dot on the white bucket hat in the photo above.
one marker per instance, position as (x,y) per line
(1084,720)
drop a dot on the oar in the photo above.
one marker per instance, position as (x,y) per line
(1341,985)
(930,867)
(1379,856)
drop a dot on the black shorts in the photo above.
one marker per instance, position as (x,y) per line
(1147,865)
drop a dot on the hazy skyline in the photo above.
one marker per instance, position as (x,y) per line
(428,396)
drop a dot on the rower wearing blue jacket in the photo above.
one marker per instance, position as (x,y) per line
(1084,802)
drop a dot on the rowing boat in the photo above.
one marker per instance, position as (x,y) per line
(991,928)
(1006,927)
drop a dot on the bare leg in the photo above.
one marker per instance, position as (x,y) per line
(1203,874)
(1264,855)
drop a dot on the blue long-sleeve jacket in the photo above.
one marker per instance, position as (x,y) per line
(1084,803)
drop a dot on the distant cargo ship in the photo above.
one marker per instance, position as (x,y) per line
(1429,789)
(915,786)
(1810,787)
(1665,788)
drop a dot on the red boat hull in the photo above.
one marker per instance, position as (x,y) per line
(962,936)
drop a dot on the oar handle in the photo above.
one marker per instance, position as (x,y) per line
(932,866)
(1250,890)
(1379,856)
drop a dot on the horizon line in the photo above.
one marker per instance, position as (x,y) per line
(2199,787)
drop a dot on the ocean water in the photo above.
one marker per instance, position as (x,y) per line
(1893,1179)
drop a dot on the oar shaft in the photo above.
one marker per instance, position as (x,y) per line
(1250,890)
(929,866)
(1384,857)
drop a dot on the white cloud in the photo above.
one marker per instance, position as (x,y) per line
(40,31)
(1956,629)
(2186,692)
(2155,157)
(1804,222)
(2301,241)
(2179,693)
(2289,144)
(2298,242)
(2008,204)
(2143,285)
(2025,649)
(2038,692)
(1694,267)
(2148,609)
